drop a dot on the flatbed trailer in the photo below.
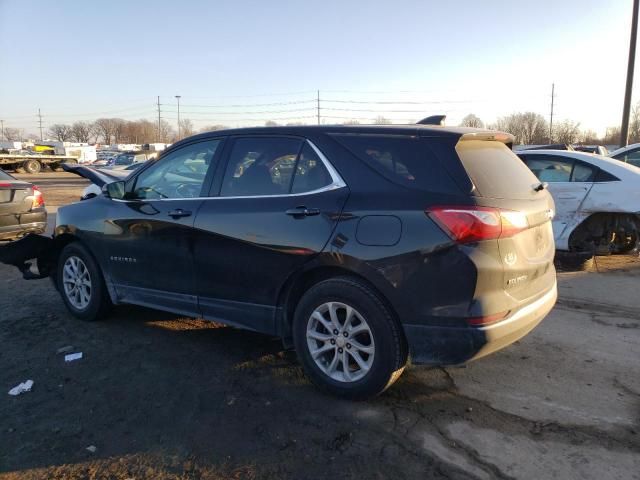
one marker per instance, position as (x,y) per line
(34,163)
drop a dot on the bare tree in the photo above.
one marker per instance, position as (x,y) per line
(380,120)
(472,120)
(119,127)
(104,126)
(634,125)
(351,122)
(589,137)
(82,131)
(186,128)
(61,132)
(271,123)
(12,134)
(612,136)
(566,132)
(529,128)
(166,132)
(213,128)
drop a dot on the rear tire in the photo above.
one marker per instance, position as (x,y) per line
(81,284)
(32,166)
(369,352)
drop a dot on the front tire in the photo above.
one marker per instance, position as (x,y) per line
(32,166)
(347,340)
(81,284)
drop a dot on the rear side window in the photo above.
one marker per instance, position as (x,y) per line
(402,159)
(311,174)
(495,170)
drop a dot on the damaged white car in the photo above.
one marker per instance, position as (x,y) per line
(597,200)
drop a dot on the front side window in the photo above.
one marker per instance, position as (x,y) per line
(632,157)
(264,166)
(179,174)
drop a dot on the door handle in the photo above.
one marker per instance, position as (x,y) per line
(177,213)
(303,211)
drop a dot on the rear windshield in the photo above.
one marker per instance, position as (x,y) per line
(402,159)
(5,176)
(495,170)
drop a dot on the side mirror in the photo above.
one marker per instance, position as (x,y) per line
(114,190)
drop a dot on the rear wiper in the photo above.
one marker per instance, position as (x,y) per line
(541,186)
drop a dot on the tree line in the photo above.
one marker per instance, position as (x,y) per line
(530,128)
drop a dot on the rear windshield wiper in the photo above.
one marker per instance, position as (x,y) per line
(541,186)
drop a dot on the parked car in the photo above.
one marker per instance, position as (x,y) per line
(358,245)
(597,149)
(127,159)
(629,154)
(22,209)
(597,200)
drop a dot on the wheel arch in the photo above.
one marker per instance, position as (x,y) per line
(595,225)
(299,283)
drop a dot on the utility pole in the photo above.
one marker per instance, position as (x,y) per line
(318,107)
(553,95)
(158,118)
(178,98)
(40,122)
(2,124)
(624,129)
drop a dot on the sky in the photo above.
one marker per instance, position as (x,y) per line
(243,62)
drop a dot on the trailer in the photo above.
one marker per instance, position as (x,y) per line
(34,163)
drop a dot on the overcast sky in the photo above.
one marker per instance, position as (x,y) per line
(242,62)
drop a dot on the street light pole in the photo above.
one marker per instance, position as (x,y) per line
(178,99)
(624,129)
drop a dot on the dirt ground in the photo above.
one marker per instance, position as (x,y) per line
(163,397)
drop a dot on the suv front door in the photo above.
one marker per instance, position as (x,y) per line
(276,205)
(148,239)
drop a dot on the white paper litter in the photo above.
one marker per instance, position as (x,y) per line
(73,356)
(23,387)
(92,448)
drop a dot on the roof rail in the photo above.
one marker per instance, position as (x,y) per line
(433,120)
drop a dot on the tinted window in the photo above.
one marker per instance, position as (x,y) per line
(261,166)
(495,170)
(632,157)
(311,174)
(402,159)
(180,174)
(602,176)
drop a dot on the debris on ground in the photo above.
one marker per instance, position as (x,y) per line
(73,356)
(67,349)
(92,448)
(23,387)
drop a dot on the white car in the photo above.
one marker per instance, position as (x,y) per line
(597,199)
(629,154)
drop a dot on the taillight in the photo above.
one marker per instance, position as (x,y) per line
(473,224)
(38,199)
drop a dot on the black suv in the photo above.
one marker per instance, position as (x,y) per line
(359,245)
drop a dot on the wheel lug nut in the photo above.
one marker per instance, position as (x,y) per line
(348,345)
(333,342)
(335,332)
(339,350)
(345,334)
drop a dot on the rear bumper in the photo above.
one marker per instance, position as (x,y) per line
(10,232)
(436,345)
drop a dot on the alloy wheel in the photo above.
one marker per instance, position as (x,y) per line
(340,342)
(77,282)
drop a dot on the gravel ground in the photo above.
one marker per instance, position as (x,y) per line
(164,397)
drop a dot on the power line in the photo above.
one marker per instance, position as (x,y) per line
(40,122)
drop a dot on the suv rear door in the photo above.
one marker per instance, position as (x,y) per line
(272,209)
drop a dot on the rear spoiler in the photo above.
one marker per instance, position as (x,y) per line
(433,120)
(490,136)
